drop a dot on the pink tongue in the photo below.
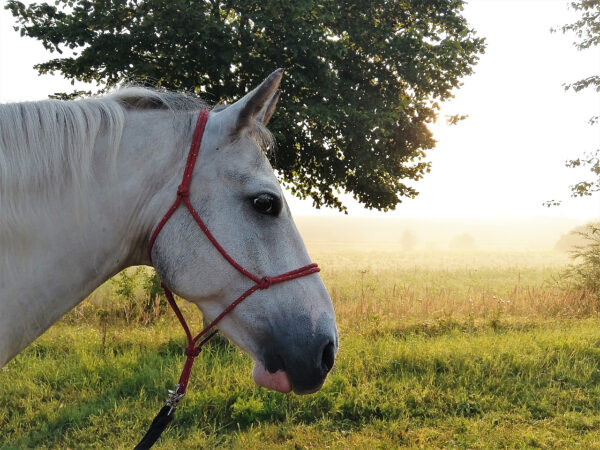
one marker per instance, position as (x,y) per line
(277,381)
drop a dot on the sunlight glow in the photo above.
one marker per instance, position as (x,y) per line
(504,160)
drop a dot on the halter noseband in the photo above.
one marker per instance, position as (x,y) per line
(194,347)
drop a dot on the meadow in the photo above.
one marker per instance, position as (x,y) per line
(439,349)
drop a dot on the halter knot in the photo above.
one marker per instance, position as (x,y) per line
(183,191)
(265,283)
(192,352)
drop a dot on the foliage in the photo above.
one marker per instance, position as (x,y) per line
(585,272)
(588,187)
(126,282)
(587,32)
(144,306)
(153,287)
(569,241)
(363,79)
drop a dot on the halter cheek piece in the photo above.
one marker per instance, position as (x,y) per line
(194,347)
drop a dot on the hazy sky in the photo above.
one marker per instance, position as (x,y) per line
(505,160)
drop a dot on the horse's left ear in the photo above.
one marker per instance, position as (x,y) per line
(258,104)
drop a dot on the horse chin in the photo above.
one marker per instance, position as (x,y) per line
(278,381)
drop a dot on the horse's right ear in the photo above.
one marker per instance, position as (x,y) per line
(269,109)
(258,104)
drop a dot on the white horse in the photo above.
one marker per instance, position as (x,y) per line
(84,183)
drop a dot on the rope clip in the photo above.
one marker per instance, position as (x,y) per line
(173,398)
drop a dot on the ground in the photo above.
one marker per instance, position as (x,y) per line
(438,350)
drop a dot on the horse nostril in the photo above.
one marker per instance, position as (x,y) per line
(274,363)
(328,357)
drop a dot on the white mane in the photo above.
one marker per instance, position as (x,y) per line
(47,144)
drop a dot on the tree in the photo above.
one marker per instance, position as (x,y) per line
(363,78)
(463,242)
(408,241)
(587,31)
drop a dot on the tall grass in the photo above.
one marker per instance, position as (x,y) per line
(449,350)
(398,285)
(430,286)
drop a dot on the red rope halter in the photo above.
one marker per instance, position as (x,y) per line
(183,195)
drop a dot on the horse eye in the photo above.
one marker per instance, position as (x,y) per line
(266,204)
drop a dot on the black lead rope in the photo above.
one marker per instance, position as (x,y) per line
(162,419)
(160,422)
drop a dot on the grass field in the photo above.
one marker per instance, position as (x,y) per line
(452,350)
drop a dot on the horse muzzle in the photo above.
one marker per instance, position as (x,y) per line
(298,361)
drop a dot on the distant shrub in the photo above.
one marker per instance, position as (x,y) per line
(463,242)
(568,242)
(139,295)
(408,241)
(584,273)
(153,288)
(125,283)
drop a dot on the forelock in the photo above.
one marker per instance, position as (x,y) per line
(264,138)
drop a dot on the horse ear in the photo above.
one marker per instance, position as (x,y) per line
(257,104)
(267,112)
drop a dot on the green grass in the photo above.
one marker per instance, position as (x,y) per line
(513,377)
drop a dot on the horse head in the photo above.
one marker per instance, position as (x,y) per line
(289,329)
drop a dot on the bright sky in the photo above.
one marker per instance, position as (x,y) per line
(505,160)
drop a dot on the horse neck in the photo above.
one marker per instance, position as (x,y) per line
(86,237)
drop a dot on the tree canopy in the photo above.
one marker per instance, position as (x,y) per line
(587,32)
(363,78)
